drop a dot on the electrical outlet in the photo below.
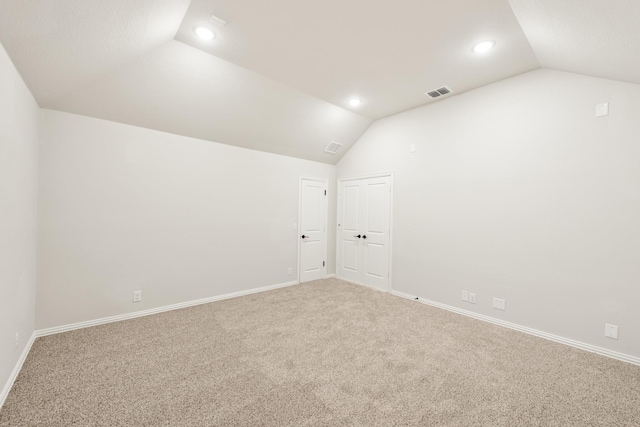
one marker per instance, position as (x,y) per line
(472,298)
(289,271)
(602,109)
(611,331)
(15,346)
(137,296)
(465,296)
(499,304)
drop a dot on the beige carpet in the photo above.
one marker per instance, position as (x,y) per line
(325,353)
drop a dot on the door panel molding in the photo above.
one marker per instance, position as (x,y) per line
(313,210)
(372,235)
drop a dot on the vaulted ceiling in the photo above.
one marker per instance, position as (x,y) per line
(279,74)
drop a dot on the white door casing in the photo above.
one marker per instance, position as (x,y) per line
(312,230)
(364,230)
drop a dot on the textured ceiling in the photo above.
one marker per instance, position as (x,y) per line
(58,45)
(386,53)
(594,37)
(278,76)
(179,89)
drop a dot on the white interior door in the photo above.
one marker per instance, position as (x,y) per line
(349,232)
(364,229)
(312,230)
(376,194)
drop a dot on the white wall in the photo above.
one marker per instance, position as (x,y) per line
(518,191)
(18,187)
(124,208)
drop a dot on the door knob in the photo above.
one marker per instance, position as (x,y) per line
(364,236)
(358,236)
(304,237)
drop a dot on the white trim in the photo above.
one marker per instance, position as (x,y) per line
(330,276)
(326,223)
(339,221)
(126,316)
(390,263)
(65,328)
(16,370)
(111,319)
(371,175)
(551,337)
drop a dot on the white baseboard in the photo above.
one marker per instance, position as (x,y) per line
(562,340)
(58,329)
(330,276)
(16,370)
(126,316)
(104,320)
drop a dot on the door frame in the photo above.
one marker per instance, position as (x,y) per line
(339,221)
(299,224)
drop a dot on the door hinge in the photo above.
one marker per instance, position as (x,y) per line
(323,263)
(325,192)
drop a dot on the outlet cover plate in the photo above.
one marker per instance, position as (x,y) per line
(465,296)
(602,109)
(137,296)
(611,331)
(472,298)
(499,304)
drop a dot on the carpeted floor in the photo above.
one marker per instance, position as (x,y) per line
(325,353)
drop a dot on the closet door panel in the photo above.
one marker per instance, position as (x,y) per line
(364,231)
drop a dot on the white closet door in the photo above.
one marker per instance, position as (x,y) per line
(375,232)
(349,235)
(313,236)
(364,231)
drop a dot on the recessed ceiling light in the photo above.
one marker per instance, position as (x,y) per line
(355,102)
(204,32)
(484,46)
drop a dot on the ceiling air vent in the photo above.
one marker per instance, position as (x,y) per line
(437,93)
(218,21)
(333,147)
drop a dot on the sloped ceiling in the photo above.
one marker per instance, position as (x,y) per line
(59,45)
(179,89)
(279,74)
(385,53)
(600,38)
